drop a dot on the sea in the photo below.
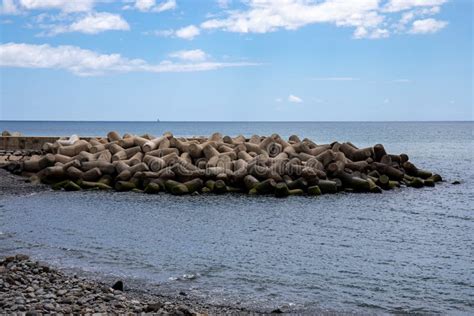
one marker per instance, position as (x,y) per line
(403,251)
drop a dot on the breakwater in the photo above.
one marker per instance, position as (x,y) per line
(220,164)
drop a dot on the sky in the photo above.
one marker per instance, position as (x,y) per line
(236,60)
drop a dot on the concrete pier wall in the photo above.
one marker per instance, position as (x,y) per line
(25,143)
(11,143)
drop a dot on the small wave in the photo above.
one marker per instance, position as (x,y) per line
(185,277)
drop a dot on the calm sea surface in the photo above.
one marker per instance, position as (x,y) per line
(407,250)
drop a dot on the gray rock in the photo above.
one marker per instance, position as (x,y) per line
(49,296)
(21,257)
(49,307)
(61,292)
(40,291)
(68,300)
(151,308)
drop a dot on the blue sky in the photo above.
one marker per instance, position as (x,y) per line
(259,60)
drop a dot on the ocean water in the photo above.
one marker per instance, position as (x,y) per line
(406,250)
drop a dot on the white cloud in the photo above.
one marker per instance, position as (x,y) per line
(100,22)
(8,7)
(279,100)
(190,55)
(69,6)
(85,62)
(407,17)
(400,5)
(379,33)
(144,5)
(362,32)
(265,16)
(63,5)
(427,26)
(411,15)
(294,99)
(92,23)
(151,6)
(369,18)
(188,32)
(168,5)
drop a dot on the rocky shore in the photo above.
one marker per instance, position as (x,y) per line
(33,288)
(30,286)
(12,185)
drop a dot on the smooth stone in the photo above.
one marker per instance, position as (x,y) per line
(21,257)
(150,308)
(49,296)
(61,292)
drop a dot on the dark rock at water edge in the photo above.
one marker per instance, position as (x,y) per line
(118,286)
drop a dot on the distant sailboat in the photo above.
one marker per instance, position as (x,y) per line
(157,119)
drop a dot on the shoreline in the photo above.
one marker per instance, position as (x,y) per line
(150,301)
(13,186)
(31,286)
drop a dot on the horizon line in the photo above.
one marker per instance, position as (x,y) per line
(235,121)
(226,121)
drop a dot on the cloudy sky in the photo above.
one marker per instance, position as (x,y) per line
(184,60)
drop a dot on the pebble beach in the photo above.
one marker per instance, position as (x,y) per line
(35,288)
